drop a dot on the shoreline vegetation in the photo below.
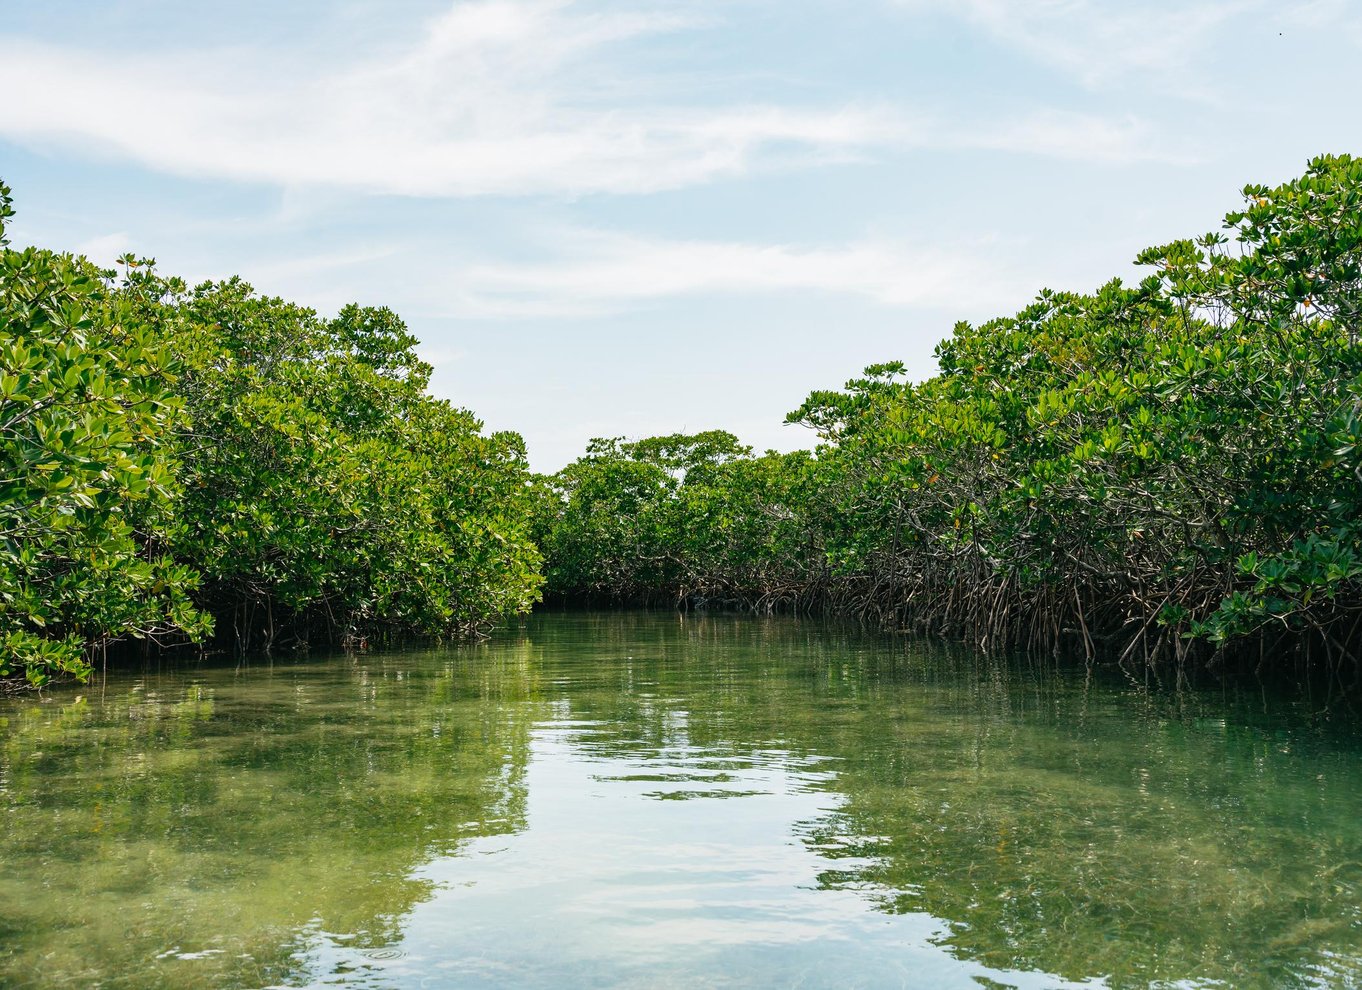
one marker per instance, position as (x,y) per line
(1165,473)
(206,465)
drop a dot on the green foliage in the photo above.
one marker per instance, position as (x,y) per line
(173,454)
(325,490)
(1141,467)
(672,518)
(1137,468)
(86,469)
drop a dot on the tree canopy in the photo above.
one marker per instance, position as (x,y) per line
(1138,469)
(184,462)
(1143,470)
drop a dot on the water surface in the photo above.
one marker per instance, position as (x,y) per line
(654,800)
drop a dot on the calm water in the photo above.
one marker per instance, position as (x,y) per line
(657,801)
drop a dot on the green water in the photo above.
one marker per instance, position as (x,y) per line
(665,801)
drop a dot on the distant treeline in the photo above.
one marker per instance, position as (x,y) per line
(203,464)
(1145,471)
(1142,472)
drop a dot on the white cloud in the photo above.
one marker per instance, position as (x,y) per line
(502,97)
(105,248)
(319,264)
(326,280)
(1080,136)
(438,357)
(1101,41)
(610,272)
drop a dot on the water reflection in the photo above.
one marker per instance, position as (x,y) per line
(197,828)
(648,800)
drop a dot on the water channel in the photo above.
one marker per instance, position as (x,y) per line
(656,800)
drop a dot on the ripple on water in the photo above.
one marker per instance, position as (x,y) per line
(638,801)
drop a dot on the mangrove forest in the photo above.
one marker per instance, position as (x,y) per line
(1160,473)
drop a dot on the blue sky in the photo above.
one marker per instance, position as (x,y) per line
(626,218)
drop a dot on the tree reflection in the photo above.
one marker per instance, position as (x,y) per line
(1085,828)
(1048,823)
(202,828)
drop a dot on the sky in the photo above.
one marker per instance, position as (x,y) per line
(633,217)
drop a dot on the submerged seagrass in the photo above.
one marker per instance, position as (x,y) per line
(673,801)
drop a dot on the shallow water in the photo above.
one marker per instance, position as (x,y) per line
(653,800)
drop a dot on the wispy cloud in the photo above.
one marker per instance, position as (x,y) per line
(1076,135)
(611,272)
(105,248)
(499,96)
(321,264)
(494,97)
(1099,42)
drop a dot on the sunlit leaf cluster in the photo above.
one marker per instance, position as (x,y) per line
(1129,472)
(207,464)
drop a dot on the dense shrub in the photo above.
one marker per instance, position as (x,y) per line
(176,459)
(1139,469)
